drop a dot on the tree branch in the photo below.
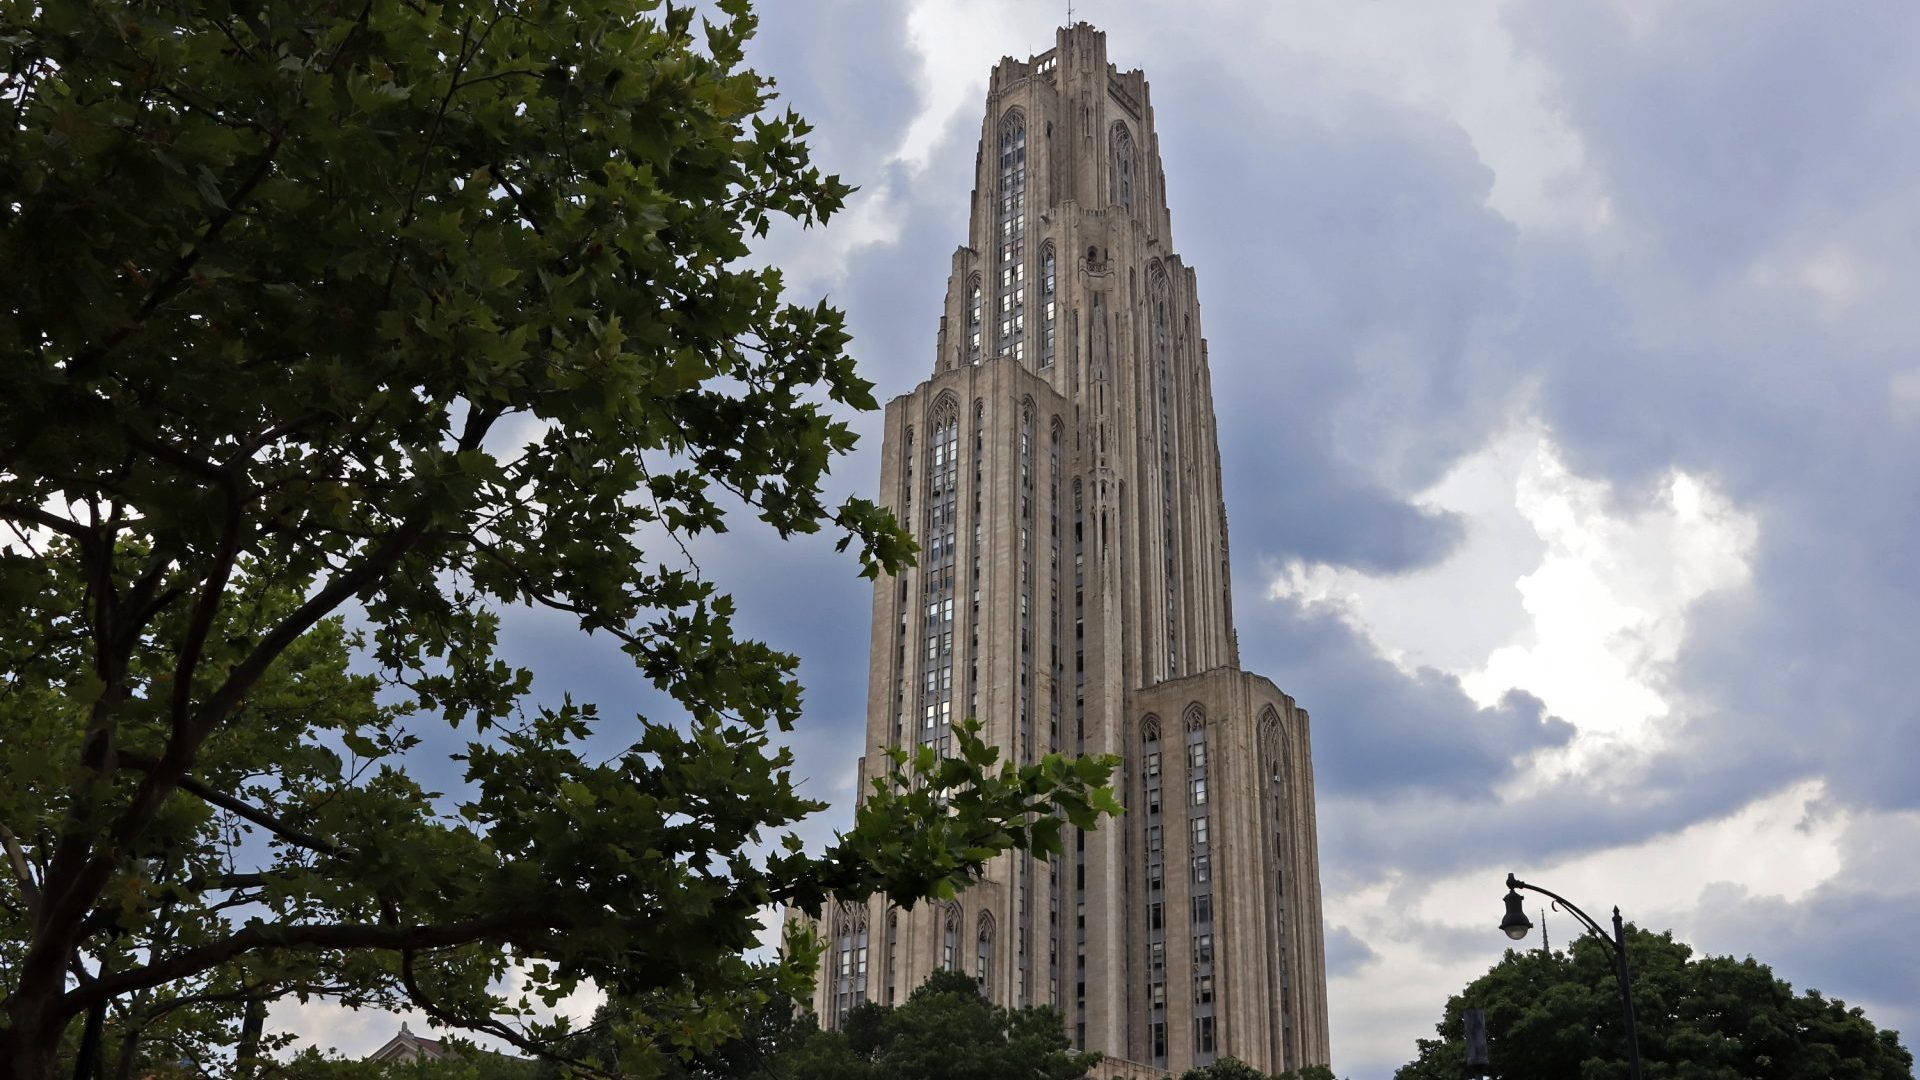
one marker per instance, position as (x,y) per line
(183,266)
(261,935)
(29,890)
(33,515)
(488,1025)
(245,810)
(208,605)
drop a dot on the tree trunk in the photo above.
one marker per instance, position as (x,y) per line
(251,1025)
(129,1043)
(27,1055)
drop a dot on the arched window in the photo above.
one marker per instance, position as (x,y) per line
(938,536)
(850,979)
(1154,823)
(1049,309)
(1120,164)
(950,940)
(1160,295)
(1011,286)
(983,956)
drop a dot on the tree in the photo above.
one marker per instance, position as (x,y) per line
(945,1030)
(1234,1069)
(333,330)
(1715,1018)
(472,1064)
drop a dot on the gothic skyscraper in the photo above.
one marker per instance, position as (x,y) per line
(1061,472)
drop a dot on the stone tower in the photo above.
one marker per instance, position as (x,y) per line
(1061,472)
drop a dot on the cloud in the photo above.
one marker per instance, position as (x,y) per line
(1668,245)
(1390,730)
(1654,261)
(1346,953)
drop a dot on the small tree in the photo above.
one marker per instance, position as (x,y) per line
(944,1031)
(407,312)
(1555,1016)
(1234,1069)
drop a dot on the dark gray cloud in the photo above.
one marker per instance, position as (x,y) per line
(1345,275)
(1378,731)
(1346,953)
(1725,126)
(1847,942)
(840,65)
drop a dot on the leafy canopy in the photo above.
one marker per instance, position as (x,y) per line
(333,330)
(1234,1069)
(1557,1017)
(945,1030)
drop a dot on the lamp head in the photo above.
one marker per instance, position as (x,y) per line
(1515,923)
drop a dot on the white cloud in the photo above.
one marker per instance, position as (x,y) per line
(1557,590)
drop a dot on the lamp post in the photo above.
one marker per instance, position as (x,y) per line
(1516,924)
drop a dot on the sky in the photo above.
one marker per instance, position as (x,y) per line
(1568,408)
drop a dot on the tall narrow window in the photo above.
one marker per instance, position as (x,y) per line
(1156,866)
(1120,151)
(950,941)
(1010,295)
(1160,293)
(938,540)
(973,320)
(1049,308)
(983,956)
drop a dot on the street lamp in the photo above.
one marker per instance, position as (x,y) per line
(1516,924)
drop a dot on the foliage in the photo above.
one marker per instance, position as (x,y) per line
(472,1064)
(1235,1069)
(766,1033)
(944,1031)
(1716,1018)
(334,330)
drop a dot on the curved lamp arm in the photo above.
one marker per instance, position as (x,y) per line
(1593,927)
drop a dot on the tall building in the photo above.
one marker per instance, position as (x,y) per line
(1061,471)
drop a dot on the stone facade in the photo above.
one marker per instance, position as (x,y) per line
(1061,472)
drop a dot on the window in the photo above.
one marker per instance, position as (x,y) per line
(1156,916)
(1010,299)
(1203,1034)
(1200,831)
(1153,760)
(973,322)
(1197,791)
(1160,1040)
(1153,838)
(1120,165)
(1197,755)
(1049,313)
(1203,948)
(1202,868)
(983,957)
(1203,989)
(1202,909)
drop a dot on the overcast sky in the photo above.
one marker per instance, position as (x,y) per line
(1569,401)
